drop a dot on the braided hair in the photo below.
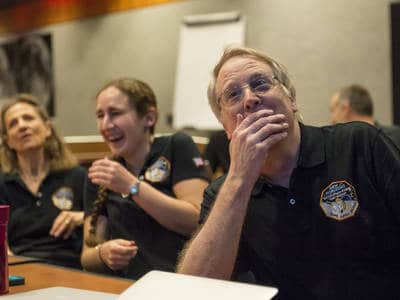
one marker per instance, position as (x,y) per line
(98,208)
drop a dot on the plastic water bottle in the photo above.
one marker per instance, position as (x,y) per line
(4,215)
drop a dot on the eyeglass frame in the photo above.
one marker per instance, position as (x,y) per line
(257,76)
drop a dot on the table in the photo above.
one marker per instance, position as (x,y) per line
(40,275)
(16,260)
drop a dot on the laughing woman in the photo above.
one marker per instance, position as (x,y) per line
(147,198)
(42,183)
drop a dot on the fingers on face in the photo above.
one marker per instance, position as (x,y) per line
(269,135)
(272,139)
(274,121)
(251,118)
(262,128)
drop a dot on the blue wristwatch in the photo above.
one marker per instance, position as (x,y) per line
(134,189)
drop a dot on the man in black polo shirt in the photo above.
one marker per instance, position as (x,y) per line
(312,211)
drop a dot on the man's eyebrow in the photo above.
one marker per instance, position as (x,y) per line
(229,85)
(259,74)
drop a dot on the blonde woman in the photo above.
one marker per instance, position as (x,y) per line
(42,183)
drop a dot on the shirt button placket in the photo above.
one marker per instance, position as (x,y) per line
(38,199)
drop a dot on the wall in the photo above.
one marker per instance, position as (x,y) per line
(324,46)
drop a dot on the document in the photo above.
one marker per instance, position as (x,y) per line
(157,285)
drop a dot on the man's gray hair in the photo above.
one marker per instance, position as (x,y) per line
(359,99)
(279,71)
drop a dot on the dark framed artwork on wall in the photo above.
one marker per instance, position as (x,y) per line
(26,66)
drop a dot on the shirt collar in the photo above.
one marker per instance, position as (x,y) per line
(9,177)
(312,146)
(311,153)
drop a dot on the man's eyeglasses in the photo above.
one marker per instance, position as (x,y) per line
(259,84)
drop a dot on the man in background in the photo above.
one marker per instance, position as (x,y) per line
(354,103)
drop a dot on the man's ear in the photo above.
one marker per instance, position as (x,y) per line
(346,107)
(293,104)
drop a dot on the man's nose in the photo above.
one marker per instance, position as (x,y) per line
(250,100)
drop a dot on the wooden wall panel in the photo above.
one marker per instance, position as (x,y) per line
(34,14)
(88,149)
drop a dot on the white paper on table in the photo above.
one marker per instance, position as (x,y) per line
(157,285)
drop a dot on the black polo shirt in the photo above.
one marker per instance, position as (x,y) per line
(172,159)
(32,216)
(335,232)
(393,132)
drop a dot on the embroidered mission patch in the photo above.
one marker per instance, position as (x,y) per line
(159,171)
(339,200)
(63,198)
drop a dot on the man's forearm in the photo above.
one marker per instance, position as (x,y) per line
(213,250)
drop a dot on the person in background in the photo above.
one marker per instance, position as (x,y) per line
(354,103)
(143,202)
(42,183)
(314,211)
(216,154)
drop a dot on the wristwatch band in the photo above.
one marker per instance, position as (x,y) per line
(134,189)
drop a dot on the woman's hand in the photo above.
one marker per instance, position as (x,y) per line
(116,254)
(65,223)
(112,175)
